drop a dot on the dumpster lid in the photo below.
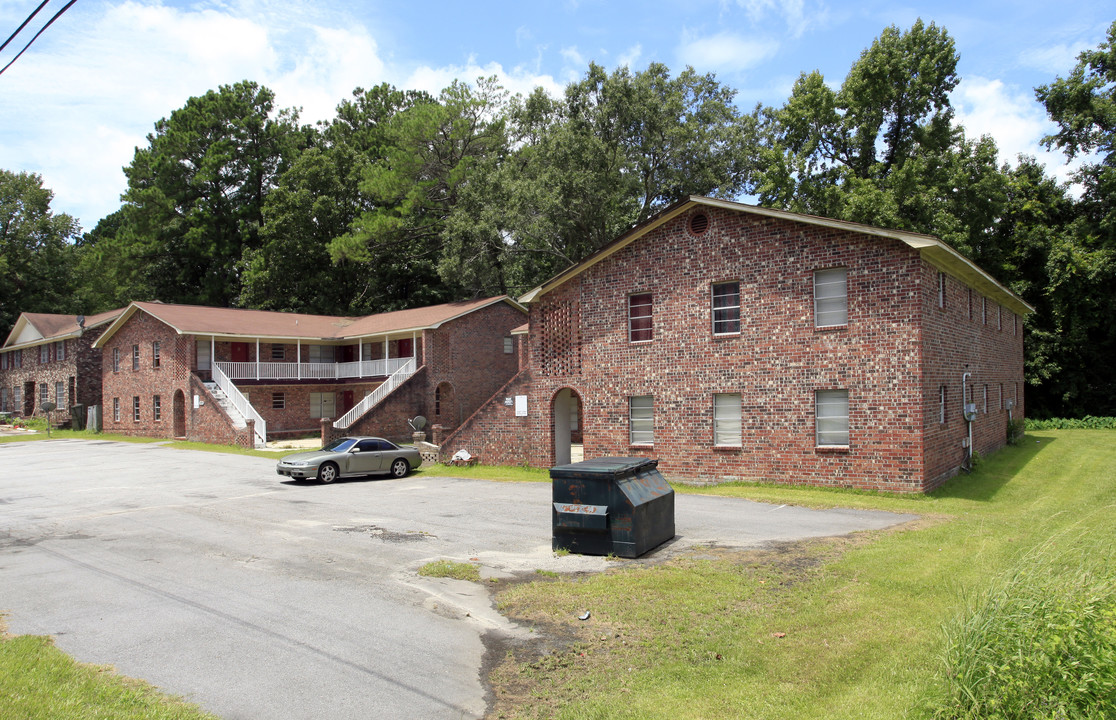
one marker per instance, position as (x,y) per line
(604,467)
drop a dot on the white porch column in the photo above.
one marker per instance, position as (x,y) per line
(414,347)
(212,354)
(385,352)
(257,358)
(298,356)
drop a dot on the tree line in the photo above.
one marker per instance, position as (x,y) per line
(406,199)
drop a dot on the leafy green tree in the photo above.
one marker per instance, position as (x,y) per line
(36,250)
(317,200)
(1081,264)
(196,193)
(431,152)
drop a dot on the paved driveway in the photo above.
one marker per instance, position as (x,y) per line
(207,576)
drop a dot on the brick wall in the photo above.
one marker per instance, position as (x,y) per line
(389,418)
(968,332)
(777,362)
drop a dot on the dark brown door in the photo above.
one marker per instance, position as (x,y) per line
(406,347)
(347,353)
(240,352)
(346,402)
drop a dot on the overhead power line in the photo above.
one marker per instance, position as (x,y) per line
(36,37)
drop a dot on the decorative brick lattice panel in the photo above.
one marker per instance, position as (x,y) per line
(560,347)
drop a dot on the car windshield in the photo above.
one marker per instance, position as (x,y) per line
(340,445)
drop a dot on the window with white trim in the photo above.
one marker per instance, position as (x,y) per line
(986,398)
(641,420)
(322,353)
(3,361)
(135,408)
(135,357)
(17,398)
(204,355)
(639,317)
(831,417)
(156,359)
(157,408)
(60,350)
(727,420)
(831,297)
(941,404)
(116,359)
(726,308)
(44,354)
(60,395)
(278,400)
(116,409)
(44,393)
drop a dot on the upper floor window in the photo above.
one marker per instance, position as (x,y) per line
(4,361)
(831,299)
(984,310)
(941,289)
(641,420)
(831,417)
(639,317)
(60,350)
(321,353)
(156,359)
(44,354)
(116,359)
(726,308)
(726,420)
(135,357)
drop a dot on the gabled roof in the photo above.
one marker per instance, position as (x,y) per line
(241,323)
(37,328)
(931,248)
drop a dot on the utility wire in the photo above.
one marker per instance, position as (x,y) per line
(20,28)
(41,30)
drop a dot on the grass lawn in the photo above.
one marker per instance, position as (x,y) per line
(839,628)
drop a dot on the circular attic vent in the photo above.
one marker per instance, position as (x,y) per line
(699,223)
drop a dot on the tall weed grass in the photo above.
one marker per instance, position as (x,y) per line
(1040,642)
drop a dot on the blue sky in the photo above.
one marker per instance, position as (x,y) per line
(76,105)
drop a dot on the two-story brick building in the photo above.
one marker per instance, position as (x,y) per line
(736,342)
(48,357)
(240,376)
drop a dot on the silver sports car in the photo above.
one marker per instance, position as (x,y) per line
(351,457)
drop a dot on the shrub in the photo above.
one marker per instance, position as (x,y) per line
(1089,422)
(1040,643)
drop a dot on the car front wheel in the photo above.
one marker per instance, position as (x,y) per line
(400,468)
(327,473)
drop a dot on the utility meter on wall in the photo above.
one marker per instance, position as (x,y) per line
(970,412)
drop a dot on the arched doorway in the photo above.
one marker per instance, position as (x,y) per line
(179,413)
(566,414)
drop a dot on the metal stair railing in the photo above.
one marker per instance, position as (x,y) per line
(394,380)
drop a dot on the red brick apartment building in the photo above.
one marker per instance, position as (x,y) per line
(240,376)
(48,357)
(735,342)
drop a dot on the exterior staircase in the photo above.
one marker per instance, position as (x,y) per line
(223,400)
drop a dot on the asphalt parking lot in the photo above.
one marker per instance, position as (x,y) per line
(212,578)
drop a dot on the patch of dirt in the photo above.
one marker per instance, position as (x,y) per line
(385,535)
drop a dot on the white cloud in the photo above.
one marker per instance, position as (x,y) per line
(724,51)
(1013,118)
(1055,59)
(519,80)
(630,57)
(794,12)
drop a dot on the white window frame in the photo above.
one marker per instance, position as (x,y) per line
(116,409)
(59,394)
(831,297)
(204,356)
(135,357)
(116,359)
(156,355)
(831,418)
(60,350)
(641,420)
(728,420)
(156,408)
(44,354)
(135,408)
(941,289)
(44,393)
(725,314)
(322,354)
(941,404)
(985,398)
